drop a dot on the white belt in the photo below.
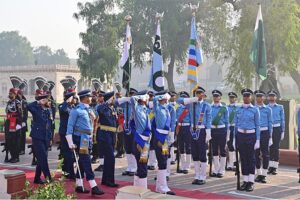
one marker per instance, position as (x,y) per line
(162,131)
(264,128)
(200,126)
(246,131)
(277,125)
(232,125)
(218,126)
(145,138)
(184,124)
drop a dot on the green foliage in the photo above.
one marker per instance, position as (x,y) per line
(14,49)
(43,55)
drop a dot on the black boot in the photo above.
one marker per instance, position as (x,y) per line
(97,191)
(274,172)
(250,187)
(258,178)
(80,189)
(171,193)
(263,179)
(244,186)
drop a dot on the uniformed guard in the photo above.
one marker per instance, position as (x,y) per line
(162,125)
(22,99)
(128,137)
(219,133)
(120,134)
(232,108)
(266,141)
(200,115)
(184,137)
(247,138)
(79,137)
(106,137)
(278,131)
(14,119)
(41,135)
(95,150)
(64,111)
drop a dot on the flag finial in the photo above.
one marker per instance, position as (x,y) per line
(128,18)
(194,8)
(159,16)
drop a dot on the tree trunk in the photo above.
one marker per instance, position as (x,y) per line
(296,77)
(169,75)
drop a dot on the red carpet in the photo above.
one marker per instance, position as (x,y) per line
(110,192)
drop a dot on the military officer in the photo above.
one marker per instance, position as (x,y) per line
(278,131)
(162,124)
(232,108)
(13,125)
(247,137)
(200,115)
(106,137)
(64,110)
(266,141)
(184,137)
(24,129)
(120,135)
(41,135)
(95,150)
(219,133)
(79,137)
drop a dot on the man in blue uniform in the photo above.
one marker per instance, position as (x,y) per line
(41,135)
(162,124)
(219,134)
(184,137)
(232,108)
(266,141)
(278,131)
(106,137)
(247,137)
(200,115)
(64,110)
(79,137)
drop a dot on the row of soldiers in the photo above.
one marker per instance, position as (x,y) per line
(150,123)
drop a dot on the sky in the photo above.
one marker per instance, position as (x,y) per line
(44,22)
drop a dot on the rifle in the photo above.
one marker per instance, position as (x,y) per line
(210,158)
(6,151)
(34,162)
(237,167)
(177,154)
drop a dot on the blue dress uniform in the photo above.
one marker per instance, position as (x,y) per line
(278,133)
(79,133)
(219,130)
(232,108)
(184,137)
(41,136)
(247,135)
(171,135)
(142,135)
(266,129)
(64,110)
(162,124)
(106,138)
(201,133)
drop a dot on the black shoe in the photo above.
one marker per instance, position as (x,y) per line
(219,175)
(14,160)
(80,189)
(99,169)
(151,168)
(244,186)
(263,179)
(180,171)
(22,153)
(173,162)
(258,178)
(195,182)
(109,184)
(119,155)
(250,187)
(274,172)
(171,193)
(131,174)
(126,173)
(39,181)
(201,182)
(185,171)
(270,170)
(213,175)
(229,169)
(97,191)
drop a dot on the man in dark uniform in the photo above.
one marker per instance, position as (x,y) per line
(106,137)
(41,135)
(120,135)
(79,138)
(13,125)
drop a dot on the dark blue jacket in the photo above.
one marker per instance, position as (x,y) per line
(64,110)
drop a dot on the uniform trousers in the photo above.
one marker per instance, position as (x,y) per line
(184,140)
(263,151)
(141,171)
(230,142)
(245,145)
(274,148)
(218,139)
(68,156)
(199,147)
(41,152)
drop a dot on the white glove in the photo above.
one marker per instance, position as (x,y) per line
(166,96)
(233,142)
(257,145)
(228,136)
(282,136)
(18,127)
(208,135)
(70,142)
(150,104)
(270,142)
(23,124)
(171,138)
(190,100)
(144,97)
(123,100)
(69,99)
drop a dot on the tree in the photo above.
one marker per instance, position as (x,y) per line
(43,55)
(15,49)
